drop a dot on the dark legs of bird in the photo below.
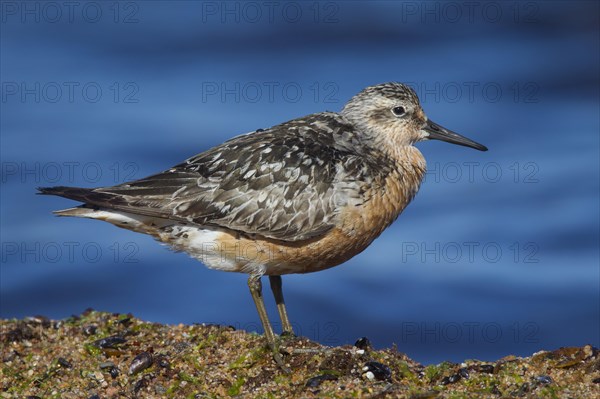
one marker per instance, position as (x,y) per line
(255,286)
(276,287)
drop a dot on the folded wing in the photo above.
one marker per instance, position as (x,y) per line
(286,183)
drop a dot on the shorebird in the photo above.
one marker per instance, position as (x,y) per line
(299,197)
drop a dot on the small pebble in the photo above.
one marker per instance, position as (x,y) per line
(450,379)
(486,368)
(110,342)
(114,372)
(97,376)
(111,368)
(90,329)
(11,356)
(316,381)
(140,362)
(588,351)
(363,343)
(64,363)
(143,382)
(495,390)
(181,346)
(544,379)
(106,365)
(162,361)
(376,370)
(125,322)
(43,320)
(113,352)
(20,333)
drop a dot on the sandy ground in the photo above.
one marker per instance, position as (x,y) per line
(102,355)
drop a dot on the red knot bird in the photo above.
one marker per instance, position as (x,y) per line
(299,197)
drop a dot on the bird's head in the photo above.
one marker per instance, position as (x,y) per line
(392,111)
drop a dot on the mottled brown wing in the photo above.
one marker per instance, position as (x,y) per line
(287,182)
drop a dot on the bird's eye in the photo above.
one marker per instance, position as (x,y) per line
(398,111)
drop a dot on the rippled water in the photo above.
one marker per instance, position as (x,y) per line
(498,253)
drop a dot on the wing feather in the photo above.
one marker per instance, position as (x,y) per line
(288,182)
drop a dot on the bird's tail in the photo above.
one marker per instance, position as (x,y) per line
(96,203)
(74,193)
(89,196)
(96,206)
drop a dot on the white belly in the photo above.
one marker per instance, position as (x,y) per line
(200,243)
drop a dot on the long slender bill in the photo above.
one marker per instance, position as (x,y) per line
(437,132)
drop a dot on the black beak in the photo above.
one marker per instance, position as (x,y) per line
(437,132)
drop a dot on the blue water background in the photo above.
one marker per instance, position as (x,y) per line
(498,254)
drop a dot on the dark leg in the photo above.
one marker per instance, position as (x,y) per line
(255,286)
(276,287)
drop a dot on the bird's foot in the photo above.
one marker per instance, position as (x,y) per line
(278,358)
(288,335)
